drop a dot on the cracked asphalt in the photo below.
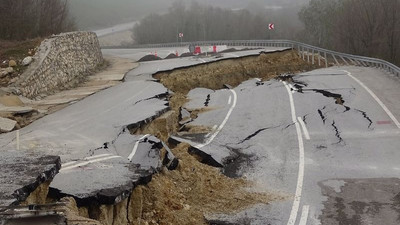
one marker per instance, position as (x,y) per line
(352,140)
(351,160)
(100,159)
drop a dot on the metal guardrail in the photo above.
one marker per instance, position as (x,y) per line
(307,52)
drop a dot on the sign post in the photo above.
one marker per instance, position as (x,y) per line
(271,26)
(181,36)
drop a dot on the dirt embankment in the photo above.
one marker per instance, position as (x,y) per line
(233,71)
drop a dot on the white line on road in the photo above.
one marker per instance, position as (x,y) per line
(304,215)
(390,114)
(300,178)
(86,159)
(96,156)
(136,146)
(304,127)
(230,100)
(223,122)
(213,129)
(88,162)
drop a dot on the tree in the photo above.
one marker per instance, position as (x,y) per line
(23,19)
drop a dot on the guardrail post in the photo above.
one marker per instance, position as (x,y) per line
(326,60)
(319,58)
(313,56)
(308,55)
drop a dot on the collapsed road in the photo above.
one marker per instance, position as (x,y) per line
(322,139)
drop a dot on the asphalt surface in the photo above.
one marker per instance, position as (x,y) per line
(115,29)
(345,171)
(100,159)
(349,163)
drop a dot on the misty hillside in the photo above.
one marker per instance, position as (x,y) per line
(95,14)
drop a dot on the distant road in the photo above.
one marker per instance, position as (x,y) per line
(115,29)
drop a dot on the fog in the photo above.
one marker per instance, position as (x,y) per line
(97,14)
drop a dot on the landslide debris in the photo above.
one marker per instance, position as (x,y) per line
(233,71)
(147,58)
(184,195)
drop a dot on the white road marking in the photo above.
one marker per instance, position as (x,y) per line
(213,129)
(223,122)
(97,156)
(304,127)
(68,163)
(230,100)
(390,114)
(89,162)
(304,215)
(86,159)
(396,168)
(136,146)
(300,178)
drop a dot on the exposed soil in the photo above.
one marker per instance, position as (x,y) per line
(171,56)
(147,58)
(233,71)
(17,51)
(183,196)
(187,54)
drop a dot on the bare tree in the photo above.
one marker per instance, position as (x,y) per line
(22,19)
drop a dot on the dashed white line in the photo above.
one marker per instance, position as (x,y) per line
(304,127)
(136,146)
(300,178)
(223,122)
(230,100)
(390,114)
(304,215)
(89,162)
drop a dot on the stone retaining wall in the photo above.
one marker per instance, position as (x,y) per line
(61,62)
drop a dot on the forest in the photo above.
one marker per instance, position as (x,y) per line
(25,19)
(362,27)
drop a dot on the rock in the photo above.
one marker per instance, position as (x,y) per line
(4,64)
(3,73)
(7,125)
(12,63)
(28,60)
(11,100)
(9,70)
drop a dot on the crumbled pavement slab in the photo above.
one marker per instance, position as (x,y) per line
(12,106)
(110,181)
(7,125)
(22,172)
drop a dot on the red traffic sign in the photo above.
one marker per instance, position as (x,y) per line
(271,26)
(180,35)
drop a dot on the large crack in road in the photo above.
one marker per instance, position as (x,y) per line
(194,186)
